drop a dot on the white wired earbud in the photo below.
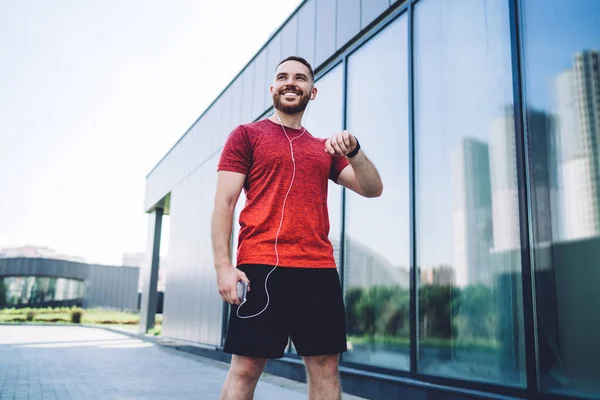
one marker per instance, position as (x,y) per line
(280,221)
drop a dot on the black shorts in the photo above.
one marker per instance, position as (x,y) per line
(305,304)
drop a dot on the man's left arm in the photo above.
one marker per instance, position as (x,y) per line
(360,176)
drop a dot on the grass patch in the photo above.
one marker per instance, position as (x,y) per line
(157,330)
(464,344)
(94,316)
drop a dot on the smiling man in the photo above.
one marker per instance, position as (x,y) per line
(284,250)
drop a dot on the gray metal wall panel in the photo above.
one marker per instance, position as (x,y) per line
(260,83)
(112,287)
(325,30)
(237,101)
(248,92)
(226,116)
(216,126)
(372,9)
(306,32)
(193,307)
(23,266)
(179,286)
(207,128)
(289,38)
(60,268)
(222,104)
(274,57)
(348,15)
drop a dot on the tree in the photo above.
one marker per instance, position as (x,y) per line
(435,310)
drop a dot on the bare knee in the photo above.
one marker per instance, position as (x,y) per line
(322,366)
(247,369)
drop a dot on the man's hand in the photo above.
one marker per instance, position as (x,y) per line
(227,279)
(341,143)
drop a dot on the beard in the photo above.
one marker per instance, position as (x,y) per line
(291,109)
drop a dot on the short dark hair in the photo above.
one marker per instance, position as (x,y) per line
(300,60)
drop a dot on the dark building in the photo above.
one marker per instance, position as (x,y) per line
(46,282)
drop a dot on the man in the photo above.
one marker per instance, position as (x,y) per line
(284,250)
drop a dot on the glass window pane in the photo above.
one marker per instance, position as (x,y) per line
(24,290)
(562,81)
(323,119)
(377,230)
(468,242)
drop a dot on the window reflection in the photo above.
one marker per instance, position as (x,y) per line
(33,290)
(470,303)
(562,78)
(323,119)
(377,230)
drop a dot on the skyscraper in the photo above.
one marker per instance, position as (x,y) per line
(503,172)
(578,110)
(503,167)
(472,212)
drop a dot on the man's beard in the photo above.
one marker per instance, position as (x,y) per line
(290,109)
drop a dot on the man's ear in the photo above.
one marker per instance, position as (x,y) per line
(313,93)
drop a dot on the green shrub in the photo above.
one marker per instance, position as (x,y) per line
(30,315)
(156,331)
(76,314)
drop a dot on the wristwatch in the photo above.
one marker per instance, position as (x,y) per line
(355,151)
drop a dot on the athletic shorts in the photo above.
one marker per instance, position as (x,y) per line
(305,304)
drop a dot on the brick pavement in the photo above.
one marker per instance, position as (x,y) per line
(79,363)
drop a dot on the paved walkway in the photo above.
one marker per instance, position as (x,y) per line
(79,363)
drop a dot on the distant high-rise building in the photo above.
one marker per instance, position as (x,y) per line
(472,212)
(578,111)
(542,144)
(440,275)
(503,167)
(504,185)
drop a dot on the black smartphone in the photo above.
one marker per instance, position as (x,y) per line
(242,290)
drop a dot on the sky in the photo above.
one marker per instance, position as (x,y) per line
(93,94)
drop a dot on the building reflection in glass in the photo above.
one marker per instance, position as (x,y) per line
(377,256)
(470,322)
(562,79)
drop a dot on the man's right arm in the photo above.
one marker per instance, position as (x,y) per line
(229,187)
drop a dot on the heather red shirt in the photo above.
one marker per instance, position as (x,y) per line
(261,151)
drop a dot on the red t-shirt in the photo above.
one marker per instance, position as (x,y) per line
(261,151)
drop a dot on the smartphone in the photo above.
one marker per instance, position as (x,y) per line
(242,290)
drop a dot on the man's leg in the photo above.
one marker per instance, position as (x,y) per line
(242,377)
(323,377)
(252,341)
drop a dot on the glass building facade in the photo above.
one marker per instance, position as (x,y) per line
(38,290)
(479,265)
(51,282)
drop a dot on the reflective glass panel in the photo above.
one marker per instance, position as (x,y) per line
(323,118)
(377,230)
(468,241)
(562,85)
(34,290)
